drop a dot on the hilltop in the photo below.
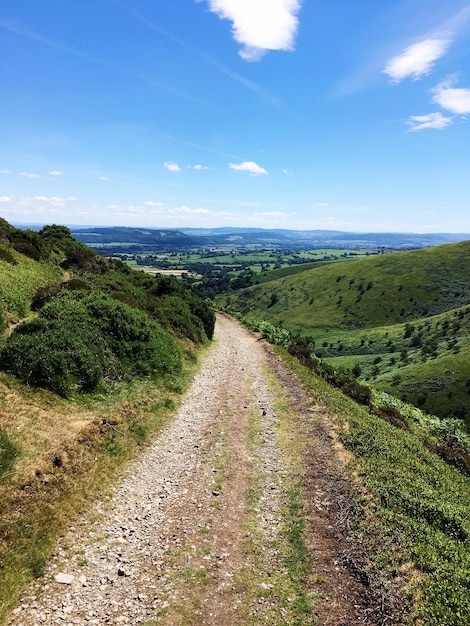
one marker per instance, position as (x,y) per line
(400,320)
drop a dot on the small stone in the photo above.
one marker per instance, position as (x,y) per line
(64,579)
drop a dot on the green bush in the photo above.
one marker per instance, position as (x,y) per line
(138,342)
(30,243)
(171,304)
(75,254)
(6,255)
(78,340)
(173,312)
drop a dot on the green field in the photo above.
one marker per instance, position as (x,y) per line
(234,259)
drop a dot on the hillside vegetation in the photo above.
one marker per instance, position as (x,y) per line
(399,320)
(412,511)
(90,320)
(93,359)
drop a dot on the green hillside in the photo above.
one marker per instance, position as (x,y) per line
(401,320)
(93,360)
(87,321)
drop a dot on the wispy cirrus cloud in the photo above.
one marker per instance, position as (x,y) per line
(260,91)
(417,60)
(455,100)
(172,167)
(14,27)
(259,25)
(248,166)
(29,175)
(5,199)
(5,172)
(432,120)
(56,173)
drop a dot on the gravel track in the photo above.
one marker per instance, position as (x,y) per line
(169,544)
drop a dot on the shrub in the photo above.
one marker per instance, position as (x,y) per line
(174,313)
(359,393)
(6,255)
(30,243)
(139,343)
(78,340)
(54,357)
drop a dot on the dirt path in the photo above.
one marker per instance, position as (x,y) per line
(196,531)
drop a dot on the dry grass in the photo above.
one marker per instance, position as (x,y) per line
(68,453)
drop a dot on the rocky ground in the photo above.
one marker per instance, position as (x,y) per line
(195,533)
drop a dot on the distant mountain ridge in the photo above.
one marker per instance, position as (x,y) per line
(146,238)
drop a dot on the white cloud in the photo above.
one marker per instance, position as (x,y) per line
(5,199)
(417,60)
(55,201)
(248,166)
(172,167)
(433,120)
(451,98)
(103,178)
(188,211)
(29,175)
(154,204)
(271,214)
(260,25)
(322,204)
(5,172)
(200,167)
(56,173)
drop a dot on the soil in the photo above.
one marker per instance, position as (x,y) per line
(182,540)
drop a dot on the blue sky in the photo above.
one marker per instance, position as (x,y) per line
(303,114)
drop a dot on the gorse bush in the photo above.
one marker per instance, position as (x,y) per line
(79,340)
(170,303)
(274,334)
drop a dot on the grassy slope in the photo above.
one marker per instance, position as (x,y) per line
(20,281)
(61,454)
(358,309)
(413,520)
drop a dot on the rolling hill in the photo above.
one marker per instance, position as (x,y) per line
(401,320)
